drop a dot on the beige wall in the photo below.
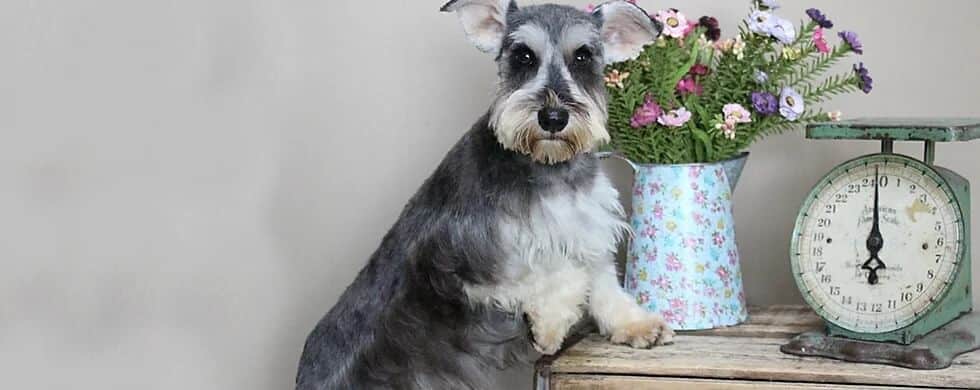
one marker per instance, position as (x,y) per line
(186,186)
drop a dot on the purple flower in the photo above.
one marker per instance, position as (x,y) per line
(819,18)
(864,78)
(851,38)
(646,114)
(764,103)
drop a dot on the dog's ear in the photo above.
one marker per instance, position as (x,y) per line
(626,29)
(484,21)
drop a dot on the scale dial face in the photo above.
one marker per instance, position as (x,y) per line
(913,250)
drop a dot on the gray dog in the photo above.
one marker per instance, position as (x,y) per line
(515,230)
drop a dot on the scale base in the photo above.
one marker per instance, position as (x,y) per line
(932,352)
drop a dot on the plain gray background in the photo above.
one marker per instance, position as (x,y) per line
(186,186)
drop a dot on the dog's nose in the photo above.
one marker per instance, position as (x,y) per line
(553,120)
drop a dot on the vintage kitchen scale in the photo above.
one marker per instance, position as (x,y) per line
(881,250)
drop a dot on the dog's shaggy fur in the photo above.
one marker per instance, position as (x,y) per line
(515,231)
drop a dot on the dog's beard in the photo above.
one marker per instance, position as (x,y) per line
(514,120)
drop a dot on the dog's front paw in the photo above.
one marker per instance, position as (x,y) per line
(644,331)
(548,331)
(547,337)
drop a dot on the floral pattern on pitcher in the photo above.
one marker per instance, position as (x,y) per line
(683,261)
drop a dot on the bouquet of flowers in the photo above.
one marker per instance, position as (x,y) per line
(695,97)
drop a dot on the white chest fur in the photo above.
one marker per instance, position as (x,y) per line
(559,243)
(578,227)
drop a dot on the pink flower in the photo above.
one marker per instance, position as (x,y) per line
(700,198)
(698,218)
(651,256)
(677,304)
(693,243)
(650,232)
(689,85)
(820,42)
(647,114)
(661,283)
(675,23)
(674,263)
(699,70)
(643,298)
(718,238)
(710,291)
(694,173)
(737,113)
(722,273)
(655,188)
(675,118)
(691,25)
(701,309)
(658,211)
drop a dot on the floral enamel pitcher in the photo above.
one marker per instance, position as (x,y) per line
(683,261)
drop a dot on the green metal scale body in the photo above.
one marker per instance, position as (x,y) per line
(881,247)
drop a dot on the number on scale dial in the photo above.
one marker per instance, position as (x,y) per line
(878,243)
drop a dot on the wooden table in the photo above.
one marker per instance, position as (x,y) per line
(741,357)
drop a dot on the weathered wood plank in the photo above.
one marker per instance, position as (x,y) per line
(595,382)
(775,321)
(899,129)
(750,358)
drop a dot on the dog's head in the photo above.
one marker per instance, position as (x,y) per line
(551,99)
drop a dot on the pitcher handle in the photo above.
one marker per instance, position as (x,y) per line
(608,155)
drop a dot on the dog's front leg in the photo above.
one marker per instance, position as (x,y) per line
(555,305)
(620,317)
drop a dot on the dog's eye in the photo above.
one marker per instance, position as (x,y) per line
(583,55)
(523,56)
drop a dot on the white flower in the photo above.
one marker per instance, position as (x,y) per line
(835,116)
(791,104)
(760,22)
(782,29)
(738,48)
(727,128)
(675,118)
(771,4)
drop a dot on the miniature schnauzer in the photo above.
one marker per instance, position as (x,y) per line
(517,227)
